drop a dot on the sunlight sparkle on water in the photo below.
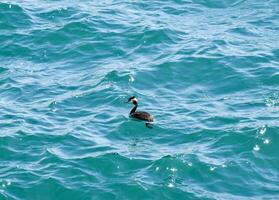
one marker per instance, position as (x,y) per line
(256,148)
(266,141)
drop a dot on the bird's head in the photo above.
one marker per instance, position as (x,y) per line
(133,100)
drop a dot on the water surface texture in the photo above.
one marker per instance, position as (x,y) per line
(208,70)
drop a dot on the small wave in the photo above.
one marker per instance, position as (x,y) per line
(219,3)
(11,13)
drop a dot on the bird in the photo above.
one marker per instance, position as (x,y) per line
(144,116)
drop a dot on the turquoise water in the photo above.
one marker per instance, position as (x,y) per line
(208,71)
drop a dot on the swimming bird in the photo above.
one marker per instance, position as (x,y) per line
(144,116)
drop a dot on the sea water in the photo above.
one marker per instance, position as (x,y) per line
(207,70)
